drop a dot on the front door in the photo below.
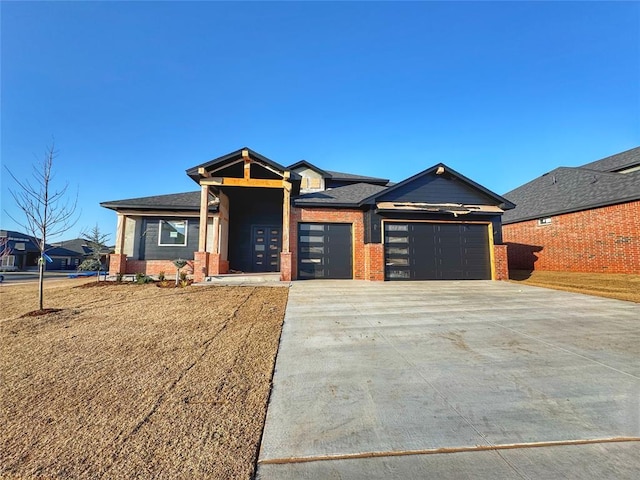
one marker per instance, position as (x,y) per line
(265,247)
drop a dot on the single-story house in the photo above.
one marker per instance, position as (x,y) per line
(578,219)
(252,214)
(83,251)
(21,252)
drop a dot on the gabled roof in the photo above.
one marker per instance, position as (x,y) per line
(571,189)
(230,157)
(501,201)
(347,196)
(173,201)
(80,246)
(349,177)
(56,251)
(340,176)
(309,165)
(616,162)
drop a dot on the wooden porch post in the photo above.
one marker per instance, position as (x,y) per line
(286,212)
(215,244)
(120,230)
(204,213)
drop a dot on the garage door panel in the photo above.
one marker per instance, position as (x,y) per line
(324,250)
(436,251)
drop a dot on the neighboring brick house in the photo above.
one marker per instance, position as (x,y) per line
(582,219)
(253,215)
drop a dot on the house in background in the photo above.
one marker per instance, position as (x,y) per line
(23,254)
(252,214)
(82,251)
(581,219)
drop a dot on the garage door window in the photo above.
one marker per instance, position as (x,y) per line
(324,250)
(437,251)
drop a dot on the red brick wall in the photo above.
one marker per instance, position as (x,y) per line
(374,261)
(601,240)
(500,258)
(117,264)
(153,267)
(326,215)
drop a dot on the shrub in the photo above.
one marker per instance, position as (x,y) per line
(141,278)
(180,262)
(90,265)
(183,276)
(161,276)
(119,277)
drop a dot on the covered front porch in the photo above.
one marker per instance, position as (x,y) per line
(249,233)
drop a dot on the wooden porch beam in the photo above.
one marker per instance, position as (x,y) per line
(242,182)
(203,172)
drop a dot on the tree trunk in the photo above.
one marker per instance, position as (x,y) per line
(41,283)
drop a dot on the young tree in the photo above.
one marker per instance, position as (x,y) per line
(97,243)
(47,210)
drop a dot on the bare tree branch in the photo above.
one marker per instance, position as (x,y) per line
(47,212)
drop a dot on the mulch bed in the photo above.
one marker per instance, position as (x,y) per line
(38,313)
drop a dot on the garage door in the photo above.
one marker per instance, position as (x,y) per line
(437,251)
(324,250)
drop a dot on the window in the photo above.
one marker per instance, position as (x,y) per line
(8,261)
(173,233)
(544,221)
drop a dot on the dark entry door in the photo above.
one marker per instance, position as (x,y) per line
(324,250)
(265,247)
(437,251)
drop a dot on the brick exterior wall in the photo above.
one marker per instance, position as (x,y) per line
(374,261)
(600,240)
(501,264)
(200,266)
(327,215)
(154,267)
(117,264)
(285,267)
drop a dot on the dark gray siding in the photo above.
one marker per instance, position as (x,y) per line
(149,248)
(373,222)
(250,207)
(437,189)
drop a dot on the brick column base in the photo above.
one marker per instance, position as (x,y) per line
(285,267)
(200,266)
(374,259)
(117,264)
(502,264)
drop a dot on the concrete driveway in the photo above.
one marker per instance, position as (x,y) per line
(455,380)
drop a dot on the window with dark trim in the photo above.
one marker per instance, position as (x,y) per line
(172,233)
(544,221)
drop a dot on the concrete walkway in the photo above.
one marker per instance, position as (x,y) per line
(481,380)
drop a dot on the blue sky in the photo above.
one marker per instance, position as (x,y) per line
(134,93)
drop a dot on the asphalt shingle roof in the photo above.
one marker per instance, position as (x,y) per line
(349,195)
(567,189)
(359,178)
(616,162)
(174,201)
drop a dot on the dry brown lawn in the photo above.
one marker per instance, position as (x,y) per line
(620,286)
(135,381)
